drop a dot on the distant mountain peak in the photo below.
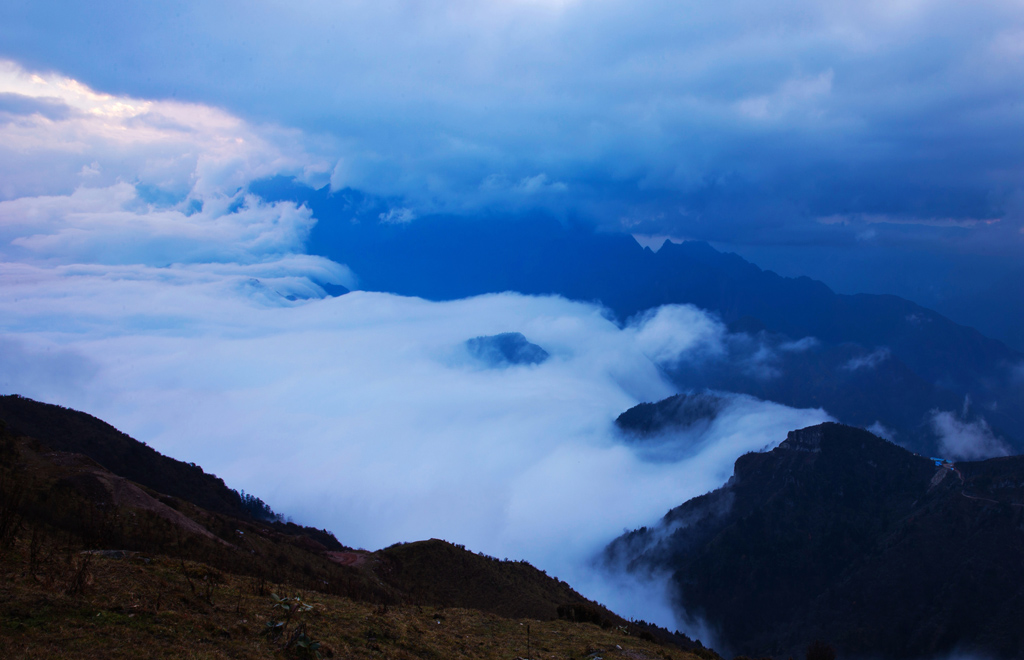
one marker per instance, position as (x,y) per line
(506,349)
(678,412)
(933,363)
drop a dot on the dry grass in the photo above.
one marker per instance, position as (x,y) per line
(61,599)
(157,607)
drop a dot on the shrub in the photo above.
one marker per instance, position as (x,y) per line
(820,651)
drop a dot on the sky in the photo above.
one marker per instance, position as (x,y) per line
(877,145)
(142,283)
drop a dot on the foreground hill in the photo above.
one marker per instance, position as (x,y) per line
(143,606)
(65,516)
(877,358)
(66,430)
(838,535)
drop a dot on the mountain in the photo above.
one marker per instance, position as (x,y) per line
(506,349)
(62,429)
(874,358)
(678,412)
(995,308)
(841,536)
(858,386)
(77,535)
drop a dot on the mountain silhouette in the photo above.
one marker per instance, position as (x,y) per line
(931,363)
(841,536)
(506,349)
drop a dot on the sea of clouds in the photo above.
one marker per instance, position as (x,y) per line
(140,282)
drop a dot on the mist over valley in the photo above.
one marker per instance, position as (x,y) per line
(511,330)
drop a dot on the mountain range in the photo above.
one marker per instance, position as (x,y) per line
(869,360)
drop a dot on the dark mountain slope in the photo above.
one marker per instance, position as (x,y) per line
(96,566)
(842,536)
(446,258)
(63,429)
(443,574)
(505,349)
(938,362)
(696,273)
(68,501)
(995,309)
(883,390)
(64,502)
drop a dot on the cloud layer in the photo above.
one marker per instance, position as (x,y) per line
(873,145)
(365,414)
(143,284)
(739,118)
(57,134)
(964,439)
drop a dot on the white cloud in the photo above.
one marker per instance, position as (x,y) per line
(399,216)
(631,107)
(141,284)
(794,96)
(38,365)
(800,345)
(869,361)
(183,149)
(882,431)
(113,225)
(539,183)
(966,440)
(141,191)
(606,98)
(672,333)
(358,414)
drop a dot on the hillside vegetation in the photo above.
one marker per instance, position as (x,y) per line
(70,606)
(98,565)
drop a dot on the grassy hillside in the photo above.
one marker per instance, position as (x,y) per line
(97,565)
(68,430)
(71,606)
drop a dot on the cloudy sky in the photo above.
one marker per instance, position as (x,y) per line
(878,145)
(866,130)
(141,282)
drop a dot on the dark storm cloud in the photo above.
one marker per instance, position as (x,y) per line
(738,121)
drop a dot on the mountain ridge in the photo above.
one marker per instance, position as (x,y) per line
(942,362)
(64,503)
(841,536)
